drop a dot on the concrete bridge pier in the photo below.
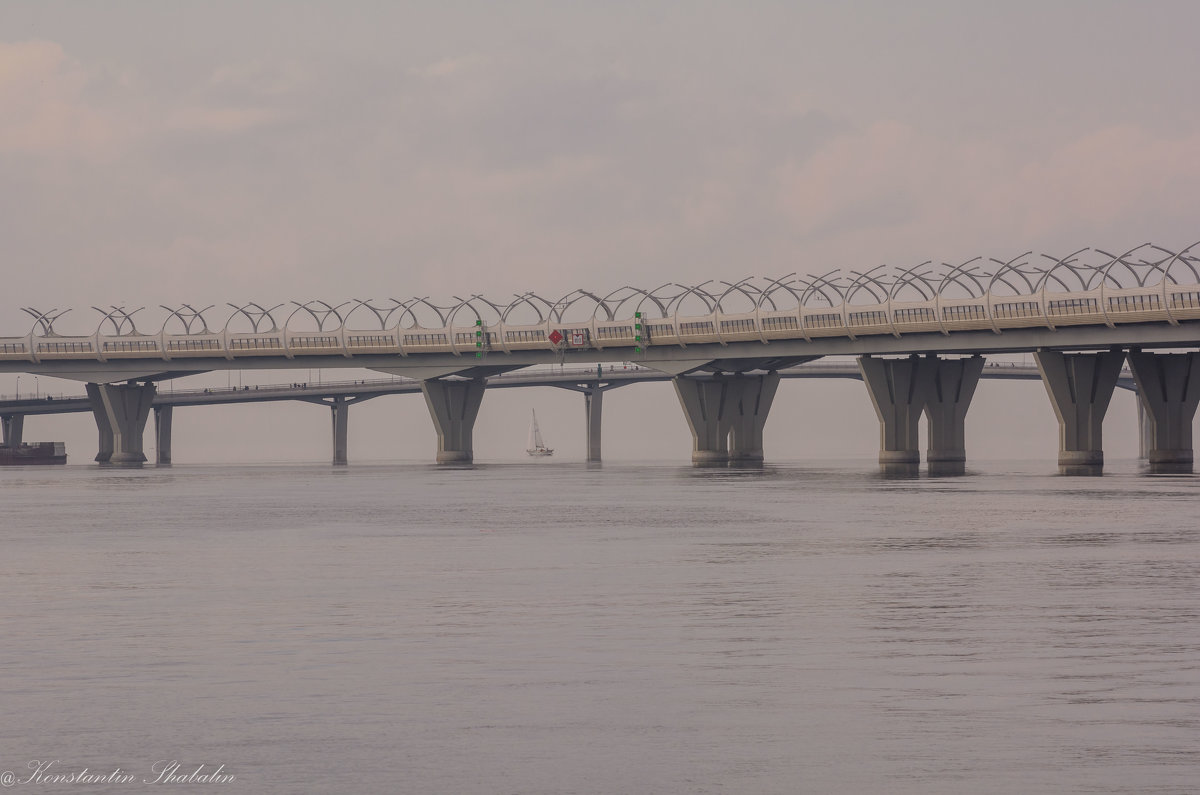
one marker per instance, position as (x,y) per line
(453,405)
(121,411)
(706,407)
(952,385)
(593,406)
(13,426)
(339,409)
(1168,393)
(899,390)
(750,400)
(162,435)
(1080,386)
(1144,440)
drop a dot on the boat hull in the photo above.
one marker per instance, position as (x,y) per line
(38,453)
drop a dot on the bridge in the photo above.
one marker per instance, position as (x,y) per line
(919,334)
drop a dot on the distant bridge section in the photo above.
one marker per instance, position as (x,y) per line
(1078,314)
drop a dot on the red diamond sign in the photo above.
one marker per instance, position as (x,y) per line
(556,337)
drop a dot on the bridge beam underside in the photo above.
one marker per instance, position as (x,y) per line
(13,429)
(162,435)
(1080,387)
(899,390)
(952,385)
(1168,392)
(454,405)
(121,411)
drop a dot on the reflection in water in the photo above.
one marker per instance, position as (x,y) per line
(624,629)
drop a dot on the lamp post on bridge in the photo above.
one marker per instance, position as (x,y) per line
(18,387)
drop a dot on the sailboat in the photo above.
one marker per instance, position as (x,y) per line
(536,445)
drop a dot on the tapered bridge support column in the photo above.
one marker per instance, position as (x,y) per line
(1168,391)
(750,398)
(952,385)
(1144,440)
(1080,386)
(339,409)
(13,428)
(121,411)
(899,389)
(453,405)
(162,435)
(706,407)
(593,406)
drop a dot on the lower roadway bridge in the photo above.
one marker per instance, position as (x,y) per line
(726,413)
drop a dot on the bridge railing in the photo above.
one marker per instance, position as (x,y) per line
(1148,284)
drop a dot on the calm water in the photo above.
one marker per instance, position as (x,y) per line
(549,628)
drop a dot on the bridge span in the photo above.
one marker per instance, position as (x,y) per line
(920,335)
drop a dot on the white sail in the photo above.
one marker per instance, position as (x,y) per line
(535,435)
(535,444)
(537,432)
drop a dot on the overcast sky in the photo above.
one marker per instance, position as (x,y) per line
(204,152)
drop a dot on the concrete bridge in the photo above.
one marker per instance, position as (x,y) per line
(919,335)
(340,395)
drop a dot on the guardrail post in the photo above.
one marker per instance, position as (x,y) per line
(1080,386)
(453,405)
(899,390)
(952,386)
(1168,393)
(121,411)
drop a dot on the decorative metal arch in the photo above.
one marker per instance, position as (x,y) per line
(914,279)
(821,286)
(121,320)
(567,301)
(1008,273)
(528,299)
(188,316)
(257,315)
(382,314)
(864,280)
(320,311)
(967,276)
(1084,274)
(44,320)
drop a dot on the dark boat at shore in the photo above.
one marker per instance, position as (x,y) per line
(36,453)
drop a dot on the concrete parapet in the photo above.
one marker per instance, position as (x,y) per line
(1168,392)
(1080,386)
(453,405)
(121,411)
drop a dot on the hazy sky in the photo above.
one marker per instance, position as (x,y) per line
(156,153)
